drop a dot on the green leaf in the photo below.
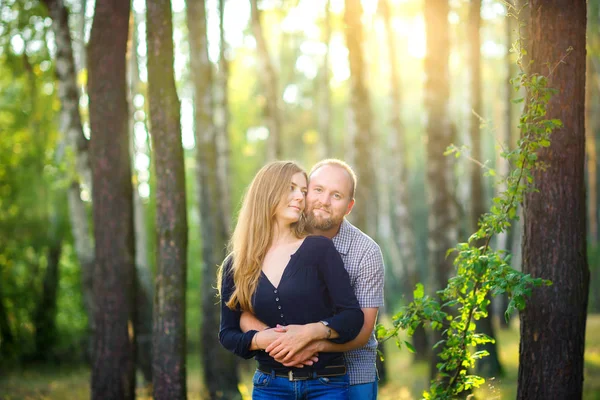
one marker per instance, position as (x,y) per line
(410,347)
(419,291)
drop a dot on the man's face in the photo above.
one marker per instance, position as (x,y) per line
(328,199)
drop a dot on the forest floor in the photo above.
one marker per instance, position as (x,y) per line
(406,380)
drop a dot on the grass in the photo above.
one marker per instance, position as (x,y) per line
(406,380)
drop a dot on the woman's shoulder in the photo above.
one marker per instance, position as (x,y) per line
(318,242)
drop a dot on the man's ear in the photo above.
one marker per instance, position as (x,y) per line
(350,206)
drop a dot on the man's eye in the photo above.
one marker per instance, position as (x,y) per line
(337,196)
(318,190)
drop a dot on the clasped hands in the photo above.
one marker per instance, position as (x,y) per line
(294,346)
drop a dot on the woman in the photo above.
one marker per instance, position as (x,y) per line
(285,277)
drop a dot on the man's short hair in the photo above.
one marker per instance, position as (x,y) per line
(341,164)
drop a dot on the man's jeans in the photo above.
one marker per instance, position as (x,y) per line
(366,391)
(269,386)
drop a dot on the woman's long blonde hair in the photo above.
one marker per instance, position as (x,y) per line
(253,232)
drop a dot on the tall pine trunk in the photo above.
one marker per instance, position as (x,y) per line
(169,332)
(442,223)
(114,273)
(221,378)
(270,84)
(554,246)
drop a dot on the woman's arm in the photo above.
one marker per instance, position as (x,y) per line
(230,335)
(348,318)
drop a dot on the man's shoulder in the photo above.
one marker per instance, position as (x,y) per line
(361,242)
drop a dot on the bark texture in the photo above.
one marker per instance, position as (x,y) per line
(114,272)
(169,327)
(554,245)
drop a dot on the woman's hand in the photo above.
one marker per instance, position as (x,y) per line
(262,339)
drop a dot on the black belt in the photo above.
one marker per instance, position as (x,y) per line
(302,374)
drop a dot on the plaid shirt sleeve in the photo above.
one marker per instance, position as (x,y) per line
(369,285)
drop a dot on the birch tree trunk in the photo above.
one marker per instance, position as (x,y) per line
(169,332)
(270,84)
(553,323)
(221,378)
(72,129)
(113,371)
(442,222)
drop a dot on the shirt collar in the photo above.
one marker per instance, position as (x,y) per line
(342,240)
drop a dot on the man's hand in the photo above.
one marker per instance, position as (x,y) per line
(295,338)
(308,355)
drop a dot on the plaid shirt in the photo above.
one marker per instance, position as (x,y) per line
(364,263)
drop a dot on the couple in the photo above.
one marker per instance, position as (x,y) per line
(304,306)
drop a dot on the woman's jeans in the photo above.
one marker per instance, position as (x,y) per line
(269,386)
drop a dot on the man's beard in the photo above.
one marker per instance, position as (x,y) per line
(322,224)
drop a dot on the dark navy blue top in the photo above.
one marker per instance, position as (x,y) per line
(314,286)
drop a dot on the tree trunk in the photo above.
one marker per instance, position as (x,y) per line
(270,83)
(169,340)
(45,314)
(222,135)
(324,111)
(144,290)
(72,129)
(365,210)
(113,370)
(221,378)
(442,225)
(554,246)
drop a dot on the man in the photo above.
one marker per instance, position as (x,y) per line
(330,197)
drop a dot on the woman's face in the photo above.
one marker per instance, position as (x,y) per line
(292,204)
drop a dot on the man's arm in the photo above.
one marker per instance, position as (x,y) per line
(249,322)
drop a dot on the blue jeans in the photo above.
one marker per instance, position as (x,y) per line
(269,386)
(365,391)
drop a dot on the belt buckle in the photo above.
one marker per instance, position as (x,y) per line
(293,378)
